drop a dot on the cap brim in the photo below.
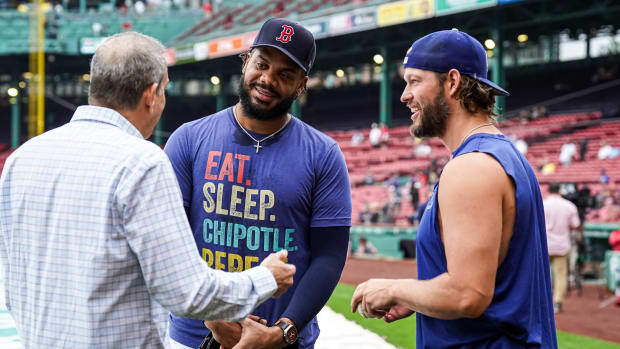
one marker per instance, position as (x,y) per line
(288,54)
(498,90)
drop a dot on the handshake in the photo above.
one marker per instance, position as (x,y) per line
(282,272)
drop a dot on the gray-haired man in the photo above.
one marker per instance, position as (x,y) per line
(94,238)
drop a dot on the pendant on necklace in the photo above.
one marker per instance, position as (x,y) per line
(258,146)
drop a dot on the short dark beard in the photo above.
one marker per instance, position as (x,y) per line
(256,112)
(433,118)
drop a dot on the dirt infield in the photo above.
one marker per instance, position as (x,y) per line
(581,314)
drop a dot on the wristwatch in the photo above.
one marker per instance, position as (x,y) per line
(289,331)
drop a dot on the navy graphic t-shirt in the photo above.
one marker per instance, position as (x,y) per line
(245,205)
(521,312)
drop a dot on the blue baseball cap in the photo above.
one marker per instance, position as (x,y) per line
(291,38)
(451,49)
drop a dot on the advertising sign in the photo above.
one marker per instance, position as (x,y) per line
(248,39)
(340,23)
(420,9)
(88,46)
(393,13)
(318,28)
(184,54)
(444,7)
(364,19)
(201,50)
(225,46)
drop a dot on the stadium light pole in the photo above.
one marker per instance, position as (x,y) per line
(385,97)
(15,122)
(220,90)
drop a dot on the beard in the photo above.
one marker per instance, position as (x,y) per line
(256,110)
(433,118)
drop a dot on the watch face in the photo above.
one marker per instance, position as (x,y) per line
(291,334)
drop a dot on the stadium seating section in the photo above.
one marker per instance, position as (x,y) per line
(70,27)
(545,137)
(239,17)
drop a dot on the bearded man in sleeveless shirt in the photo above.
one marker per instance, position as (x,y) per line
(483,268)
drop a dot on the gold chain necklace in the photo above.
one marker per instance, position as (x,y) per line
(474,129)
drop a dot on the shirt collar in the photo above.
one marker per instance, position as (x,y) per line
(105,115)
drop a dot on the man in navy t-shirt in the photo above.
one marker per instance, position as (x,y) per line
(483,268)
(256,180)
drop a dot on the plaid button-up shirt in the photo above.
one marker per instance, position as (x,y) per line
(96,246)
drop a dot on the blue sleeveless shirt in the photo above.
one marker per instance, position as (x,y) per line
(521,312)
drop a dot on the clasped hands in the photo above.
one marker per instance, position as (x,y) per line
(374,299)
(251,333)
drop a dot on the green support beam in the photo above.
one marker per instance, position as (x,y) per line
(498,74)
(385,98)
(157,135)
(220,100)
(296,109)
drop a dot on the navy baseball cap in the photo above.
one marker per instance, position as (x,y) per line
(451,49)
(291,38)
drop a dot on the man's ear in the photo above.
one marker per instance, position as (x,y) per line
(301,87)
(454,82)
(149,95)
(247,61)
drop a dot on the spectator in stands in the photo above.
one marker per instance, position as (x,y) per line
(614,242)
(369,179)
(365,215)
(422,208)
(604,177)
(584,201)
(207,9)
(121,7)
(357,138)
(583,148)
(539,112)
(365,248)
(375,212)
(414,191)
(105,245)
(139,7)
(385,134)
(606,151)
(521,145)
(548,167)
(374,137)
(390,209)
(525,116)
(482,246)
(423,150)
(610,212)
(567,153)
(561,216)
(393,181)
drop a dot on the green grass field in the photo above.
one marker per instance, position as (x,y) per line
(402,333)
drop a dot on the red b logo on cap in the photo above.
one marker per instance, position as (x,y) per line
(286,34)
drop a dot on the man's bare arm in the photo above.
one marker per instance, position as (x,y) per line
(470,199)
